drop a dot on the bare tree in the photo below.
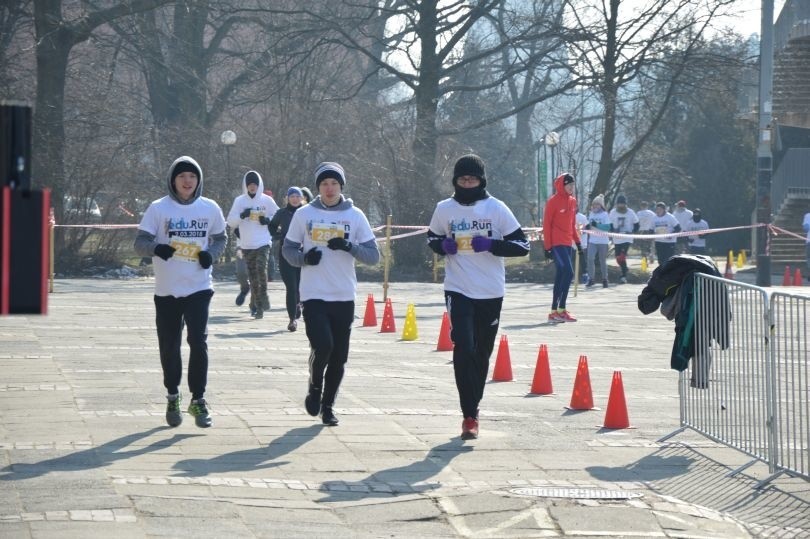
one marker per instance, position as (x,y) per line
(616,43)
(422,49)
(56,35)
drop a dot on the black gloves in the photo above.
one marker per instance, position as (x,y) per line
(593,223)
(579,249)
(264,220)
(245,213)
(313,256)
(236,233)
(205,259)
(548,253)
(339,244)
(164,251)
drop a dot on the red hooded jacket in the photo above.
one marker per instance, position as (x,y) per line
(560,217)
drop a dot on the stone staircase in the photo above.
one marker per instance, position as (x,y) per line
(788,250)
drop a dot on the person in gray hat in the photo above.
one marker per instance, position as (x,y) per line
(324,240)
(291,275)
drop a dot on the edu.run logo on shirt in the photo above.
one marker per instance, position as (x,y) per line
(182,224)
(182,228)
(470,226)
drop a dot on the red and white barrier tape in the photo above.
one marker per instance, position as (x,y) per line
(775,230)
(593,232)
(533,233)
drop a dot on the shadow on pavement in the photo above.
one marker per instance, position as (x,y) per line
(250,334)
(258,458)
(94,457)
(411,477)
(707,483)
(650,468)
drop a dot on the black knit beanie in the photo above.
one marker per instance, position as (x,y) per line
(470,165)
(251,177)
(184,166)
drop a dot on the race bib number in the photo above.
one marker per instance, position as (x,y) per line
(255,214)
(323,232)
(464,242)
(662,229)
(186,251)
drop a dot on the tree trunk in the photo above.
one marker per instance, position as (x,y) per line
(606,162)
(52,50)
(417,194)
(609,91)
(526,207)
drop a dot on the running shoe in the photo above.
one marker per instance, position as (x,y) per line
(328,416)
(469,428)
(173,414)
(565,316)
(199,409)
(312,402)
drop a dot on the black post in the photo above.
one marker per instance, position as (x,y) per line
(764,156)
(15,145)
(24,219)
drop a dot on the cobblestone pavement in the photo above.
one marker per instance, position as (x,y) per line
(85,452)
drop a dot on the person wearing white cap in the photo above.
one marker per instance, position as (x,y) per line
(324,239)
(598,219)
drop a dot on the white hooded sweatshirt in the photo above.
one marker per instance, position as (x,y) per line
(252,234)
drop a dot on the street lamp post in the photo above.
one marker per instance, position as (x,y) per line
(552,139)
(228,139)
(764,155)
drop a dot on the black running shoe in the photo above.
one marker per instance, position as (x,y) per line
(313,401)
(328,416)
(199,409)
(293,325)
(240,299)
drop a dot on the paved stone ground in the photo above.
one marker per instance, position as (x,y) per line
(84,450)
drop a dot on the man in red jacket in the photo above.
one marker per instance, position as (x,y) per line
(559,233)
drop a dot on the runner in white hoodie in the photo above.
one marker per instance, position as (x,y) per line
(251,213)
(184,233)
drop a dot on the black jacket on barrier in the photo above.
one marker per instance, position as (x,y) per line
(674,281)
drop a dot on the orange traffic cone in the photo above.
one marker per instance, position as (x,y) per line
(503,365)
(786,277)
(445,343)
(370,318)
(541,384)
(388,324)
(797,278)
(616,413)
(582,397)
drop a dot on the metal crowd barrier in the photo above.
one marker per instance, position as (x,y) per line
(747,385)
